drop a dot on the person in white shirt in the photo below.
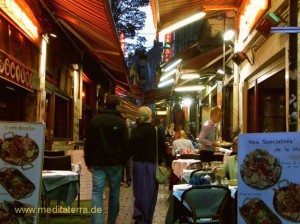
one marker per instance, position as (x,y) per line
(182,143)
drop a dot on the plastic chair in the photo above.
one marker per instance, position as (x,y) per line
(195,165)
(208,204)
(54,153)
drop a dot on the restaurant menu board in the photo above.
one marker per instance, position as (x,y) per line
(269,178)
(21,151)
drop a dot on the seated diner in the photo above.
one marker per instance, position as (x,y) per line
(182,145)
(231,165)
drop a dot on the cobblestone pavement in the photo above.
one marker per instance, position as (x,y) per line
(126,205)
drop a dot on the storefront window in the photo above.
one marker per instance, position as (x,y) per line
(62,118)
(14,43)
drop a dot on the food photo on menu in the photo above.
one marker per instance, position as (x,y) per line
(20,162)
(18,150)
(269,188)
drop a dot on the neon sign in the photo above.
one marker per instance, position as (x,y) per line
(15,12)
(168,50)
(122,40)
(251,12)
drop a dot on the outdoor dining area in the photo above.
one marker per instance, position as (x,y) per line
(203,193)
(60,180)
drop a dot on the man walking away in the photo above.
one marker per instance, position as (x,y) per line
(105,151)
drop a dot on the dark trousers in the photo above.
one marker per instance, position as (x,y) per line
(206,156)
(145,191)
(127,170)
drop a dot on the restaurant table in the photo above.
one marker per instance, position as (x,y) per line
(176,208)
(180,164)
(61,185)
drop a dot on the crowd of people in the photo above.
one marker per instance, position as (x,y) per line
(116,153)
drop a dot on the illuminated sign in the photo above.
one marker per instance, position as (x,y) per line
(18,15)
(251,12)
(168,50)
(14,72)
(168,38)
(122,41)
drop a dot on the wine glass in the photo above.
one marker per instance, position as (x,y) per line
(220,174)
(207,177)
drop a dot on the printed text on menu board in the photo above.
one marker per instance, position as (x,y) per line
(19,127)
(281,145)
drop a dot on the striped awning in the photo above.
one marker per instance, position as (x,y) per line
(90,24)
(167,13)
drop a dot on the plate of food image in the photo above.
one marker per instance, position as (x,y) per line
(286,200)
(255,211)
(260,170)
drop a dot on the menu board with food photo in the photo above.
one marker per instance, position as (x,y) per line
(21,152)
(269,178)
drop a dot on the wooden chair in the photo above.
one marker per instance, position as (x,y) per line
(54,153)
(208,204)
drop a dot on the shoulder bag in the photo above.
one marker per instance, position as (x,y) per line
(162,173)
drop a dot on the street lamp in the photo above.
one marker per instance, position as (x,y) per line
(227,38)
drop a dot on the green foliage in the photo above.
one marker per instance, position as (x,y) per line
(136,49)
(128,17)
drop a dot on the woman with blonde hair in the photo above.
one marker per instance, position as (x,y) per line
(143,145)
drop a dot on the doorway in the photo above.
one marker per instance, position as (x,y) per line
(266,105)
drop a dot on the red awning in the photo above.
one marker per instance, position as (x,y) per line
(166,12)
(90,23)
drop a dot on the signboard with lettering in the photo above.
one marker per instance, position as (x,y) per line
(269,178)
(168,47)
(21,153)
(21,14)
(250,13)
(15,72)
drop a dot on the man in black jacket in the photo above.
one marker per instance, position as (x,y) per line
(105,151)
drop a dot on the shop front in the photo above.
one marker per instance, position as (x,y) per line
(19,62)
(261,87)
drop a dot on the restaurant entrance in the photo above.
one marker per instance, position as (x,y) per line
(266,105)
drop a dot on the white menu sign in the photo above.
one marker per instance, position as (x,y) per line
(269,178)
(21,153)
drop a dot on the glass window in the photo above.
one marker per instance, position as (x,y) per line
(62,118)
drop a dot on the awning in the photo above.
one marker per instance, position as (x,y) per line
(167,13)
(129,109)
(198,62)
(91,25)
(206,64)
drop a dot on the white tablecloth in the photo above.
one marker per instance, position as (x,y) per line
(62,185)
(180,164)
